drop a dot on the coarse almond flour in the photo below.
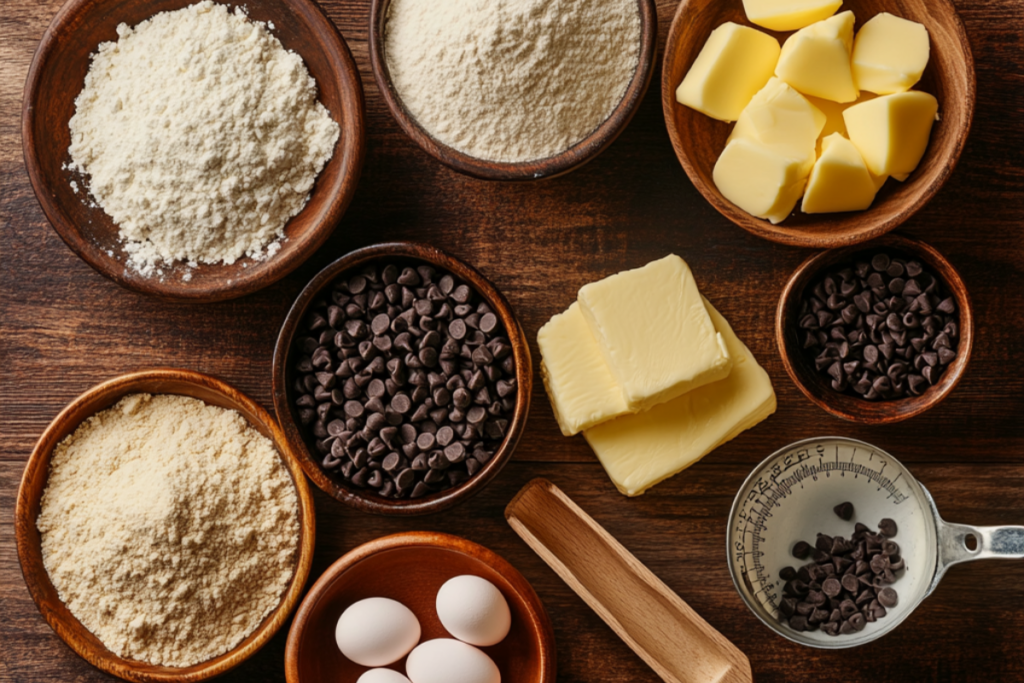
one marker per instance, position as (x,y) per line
(512,80)
(201,136)
(169,528)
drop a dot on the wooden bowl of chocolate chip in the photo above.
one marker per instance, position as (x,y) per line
(403,378)
(876,333)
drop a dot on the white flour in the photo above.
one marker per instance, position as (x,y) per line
(169,528)
(201,135)
(512,80)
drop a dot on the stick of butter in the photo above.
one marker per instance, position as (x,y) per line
(582,390)
(734,63)
(638,451)
(654,332)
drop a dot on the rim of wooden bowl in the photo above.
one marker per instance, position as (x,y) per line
(363,499)
(540,622)
(815,387)
(820,232)
(101,396)
(235,281)
(564,162)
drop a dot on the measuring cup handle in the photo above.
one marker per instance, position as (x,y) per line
(990,542)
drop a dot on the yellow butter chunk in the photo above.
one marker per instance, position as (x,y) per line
(779,115)
(654,332)
(638,451)
(891,132)
(762,180)
(816,60)
(840,180)
(789,15)
(582,390)
(734,63)
(889,54)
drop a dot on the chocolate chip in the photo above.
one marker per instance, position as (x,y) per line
(844,511)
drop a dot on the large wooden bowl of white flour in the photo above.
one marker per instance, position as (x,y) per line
(193,152)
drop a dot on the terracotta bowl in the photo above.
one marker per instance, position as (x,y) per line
(698,140)
(284,378)
(55,79)
(33,482)
(817,387)
(410,568)
(571,159)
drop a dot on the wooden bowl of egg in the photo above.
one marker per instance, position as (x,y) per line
(528,120)
(56,78)
(425,606)
(36,479)
(874,107)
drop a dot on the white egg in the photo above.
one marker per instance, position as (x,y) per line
(444,660)
(473,610)
(382,676)
(377,631)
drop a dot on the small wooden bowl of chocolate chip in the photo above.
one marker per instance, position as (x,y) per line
(403,378)
(876,333)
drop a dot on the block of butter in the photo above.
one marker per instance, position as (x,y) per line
(840,181)
(816,60)
(654,332)
(638,451)
(789,15)
(582,390)
(891,132)
(889,54)
(765,181)
(734,63)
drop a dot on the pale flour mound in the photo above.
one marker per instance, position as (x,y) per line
(201,136)
(169,528)
(512,80)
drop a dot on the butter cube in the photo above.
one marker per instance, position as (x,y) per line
(889,54)
(789,15)
(638,451)
(582,390)
(654,332)
(891,132)
(779,115)
(734,63)
(840,181)
(816,60)
(763,180)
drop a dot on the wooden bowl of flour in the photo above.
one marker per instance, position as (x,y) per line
(55,79)
(572,158)
(160,381)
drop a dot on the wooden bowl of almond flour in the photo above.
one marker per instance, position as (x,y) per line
(56,78)
(547,124)
(169,385)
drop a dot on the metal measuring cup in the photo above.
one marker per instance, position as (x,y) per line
(789,497)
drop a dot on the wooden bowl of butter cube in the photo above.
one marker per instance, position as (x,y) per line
(822,127)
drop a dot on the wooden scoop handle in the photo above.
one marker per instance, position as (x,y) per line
(654,621)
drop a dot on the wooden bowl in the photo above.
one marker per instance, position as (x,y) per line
(571,159)
(817,387)
(33,482)
(698,140)
(284,377)
(55,79)
(411,567)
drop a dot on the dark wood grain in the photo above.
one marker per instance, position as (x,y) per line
(30,493)
(64,328)
(574,157)
(816,386)
(55,78)
(411,567)
(699,140)
(284,375)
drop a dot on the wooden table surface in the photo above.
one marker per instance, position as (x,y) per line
(64,328)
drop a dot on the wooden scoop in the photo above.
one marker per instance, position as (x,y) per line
(654,621)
